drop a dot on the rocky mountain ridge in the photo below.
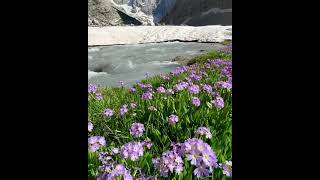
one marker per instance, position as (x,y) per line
(155,12)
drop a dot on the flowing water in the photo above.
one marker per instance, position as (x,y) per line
(108,65)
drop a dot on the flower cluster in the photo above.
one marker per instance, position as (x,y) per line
(165,77)
(207,88)
(223,85)
(147,142)
(195,101)
(179,70)
(226,168)
(147,95)
(173,119)
(136,129)
(218,102)
(144,86)
(99,96)
(195,77)
(194,89)
(115,171)
(132,90)
(200,155)
(161,89)
(123,109)
(92,88)
(95,142)
(108,112)
(227,49)
(169,162)
(132,150)
(181,86)
(204,131)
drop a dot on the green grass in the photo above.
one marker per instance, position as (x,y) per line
(116,128)
(213,54)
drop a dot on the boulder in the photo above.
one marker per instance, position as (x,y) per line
(184,60)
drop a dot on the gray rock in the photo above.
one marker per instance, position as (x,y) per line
(200,13)
(184,60)
(102,13)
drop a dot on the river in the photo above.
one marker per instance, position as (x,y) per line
(107,65)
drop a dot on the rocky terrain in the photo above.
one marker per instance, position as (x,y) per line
(200,12)
(103,13)
(155,12)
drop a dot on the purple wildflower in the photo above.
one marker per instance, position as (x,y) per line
(108,112)
(184,84)
(177,148)
(132,90)
(194,158)
(203,73)
(223,85)
(226,168)
(188,79)
(173,119)
(147,142)
(95,142)
(147,95)
(193,89)
(218,102)
(195,77)
(178,70)
(169,161)
(123,109)
(178,87)
(144,86)
(92,88)
(105,158)
(161,89)
(132,150)
(99,96)
(201,172)
(115,150)
(207,88)
(201,155)
(136,129)
(165,77)
(195,101)
(226,71)
(226,49)
(204,131)
(217,62)
(115,171)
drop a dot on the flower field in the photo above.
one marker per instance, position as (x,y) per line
(170,126)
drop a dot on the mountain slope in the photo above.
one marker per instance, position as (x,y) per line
(151,12)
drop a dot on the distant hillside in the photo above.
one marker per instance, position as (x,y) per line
(152,12)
